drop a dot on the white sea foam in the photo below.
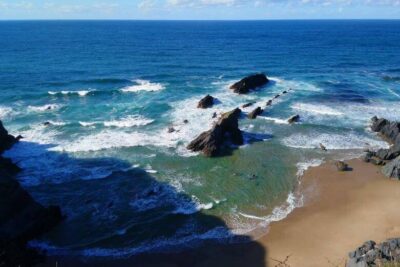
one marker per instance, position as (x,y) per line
(44,108)
(332,141)
(317,109)
(87,124)
(5,111)
(303,166)
(129,121)
(81,93)
(143,85)
(276,120)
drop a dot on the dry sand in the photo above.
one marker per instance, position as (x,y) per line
(341,211)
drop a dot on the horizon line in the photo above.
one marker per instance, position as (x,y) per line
(271,19)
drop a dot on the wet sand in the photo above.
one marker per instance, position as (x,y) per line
(341,210)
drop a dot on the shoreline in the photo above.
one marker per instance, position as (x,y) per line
(340,211)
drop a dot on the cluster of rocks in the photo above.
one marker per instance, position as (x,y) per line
(372,254)
(22,218)
(388,158)
(227,127)
(211,141)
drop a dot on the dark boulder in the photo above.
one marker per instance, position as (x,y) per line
(247,104)
(255,113)
(249,83)
(206,102)
(392,169)
(294,119)
(6,140)
(211,141)
(269,103)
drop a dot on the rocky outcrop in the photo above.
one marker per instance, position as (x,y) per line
(211,141)
(249,83)
(247,104)
(294,119)
(390,131)
(392,169)
(22,218)
(206,102)
(258,111)
(6,139)
(372,254)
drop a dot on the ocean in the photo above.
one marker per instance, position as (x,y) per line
(110,90)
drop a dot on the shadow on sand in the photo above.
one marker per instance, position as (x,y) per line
(125,217)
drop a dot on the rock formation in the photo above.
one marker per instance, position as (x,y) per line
(211,141)
(372,254)
(249,83)
(341,166)
(255,113)
(294,119)
(392,169)
(206,102)
(22,218)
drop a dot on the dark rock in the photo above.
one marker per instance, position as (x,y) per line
(247,104)
(185,121)
(294,119)
(206,102)
(276,96)
(249,83)
(269,103)
(171,129)
(255,113)
(214,115)
(210,142)
(6,140)
(284,92)
(392,169)
(341,166)
(46,123)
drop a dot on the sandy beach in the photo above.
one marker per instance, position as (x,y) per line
(341,211)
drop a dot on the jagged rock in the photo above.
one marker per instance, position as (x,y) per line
(269,103)
(171,129)
(249,83)
(255,113)
(276,96)
(341,166)
(247,104)
(214,115)
(372,254)
(206,102)
(294,119)
(6,139)
(392,169)
(210,142)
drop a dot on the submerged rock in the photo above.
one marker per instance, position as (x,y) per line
(323,148)
(392,169)
(249,83)
(269,103)
(294,119)
(211,141)
(206,102)
(247,104)
(255,113)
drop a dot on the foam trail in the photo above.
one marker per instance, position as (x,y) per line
(317,109)
(81,93)
(129,121)
(144,85)
(5,111)
(44,108)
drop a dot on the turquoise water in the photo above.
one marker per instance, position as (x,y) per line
(112,89)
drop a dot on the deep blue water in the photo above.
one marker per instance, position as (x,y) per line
(111,89)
